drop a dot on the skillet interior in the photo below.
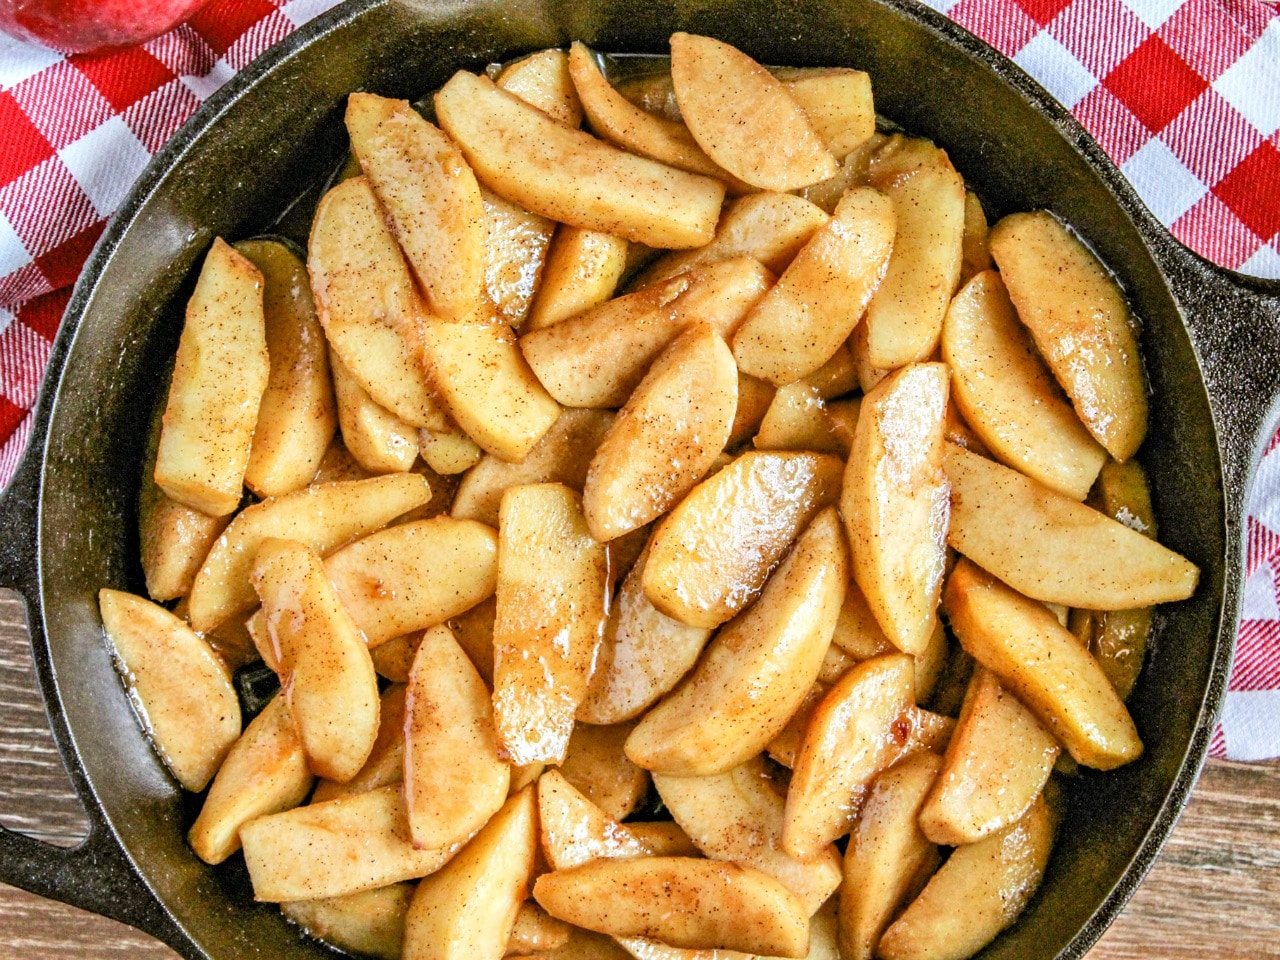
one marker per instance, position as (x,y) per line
(284,130)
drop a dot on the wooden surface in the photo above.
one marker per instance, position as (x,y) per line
(1213,895)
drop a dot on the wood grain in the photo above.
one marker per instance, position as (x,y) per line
(1214,893)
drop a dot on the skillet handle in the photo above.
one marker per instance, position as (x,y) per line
(96,875)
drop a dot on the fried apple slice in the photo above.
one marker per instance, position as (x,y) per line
(888,857)
(174,539)
(369,924)
(514,256)
(454,780)
(737,816)
(375,437)
(488,387)
(264,772)
(393,659)
(666,436)
(754,399)
(179,687)
(536,931)
(1052,548)
(581,271)
(368,305)
(797,419)
(975,254)
(354,843)
(209,418)
(837,102)
(323,659)
(1081,323)
(474,632)
(681,901)
(979,891)
(1023,644)
(1008,396)
(448,452)
(597,358)
(998,761)
(709,558)
(895,502)
(385,766)
(744,118)
(431,199)
(575,831)
(849,739)
(802,321)
(665,838)
(542,80)
(522,154)
(596,766)
(756,671)
(467,910)
(552,588)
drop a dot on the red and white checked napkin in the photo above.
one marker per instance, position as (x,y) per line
(1183,94)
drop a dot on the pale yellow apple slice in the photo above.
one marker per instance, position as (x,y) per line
(756,671)
(354,843)
(802,321)
(393,659)
(431,199)
(642,655)
(264,772)
(179,687)
(338,464)
(487,386)
(797,419)
(474,632)
(368,924)
(998,761)
(837,102)
(323,658)
(454,780)
(1038,659)
(895,502)
(666,436)
(574,830)
(448,452)
(514,256)
(743,117)
(296,418)
(597,767)
(1007,395)
(522,154)
(582,270)
(1081,323)
(385,766)
(754,399)
(975,249)
(597,358)
(467,910)
(848,741)
(542,80)
(368,305)
(737,816)
(209,418)
(888,857)
(980,890)
(552,588)
(375,437)
(562,455)
(665,838)
(324,517)
(1052,548)
(536,931)
(709,558)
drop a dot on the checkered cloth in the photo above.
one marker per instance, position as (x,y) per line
(1183,94)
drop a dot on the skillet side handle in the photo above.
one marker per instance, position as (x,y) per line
(96,875)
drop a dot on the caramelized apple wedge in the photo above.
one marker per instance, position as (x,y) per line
(385,766)
(575,831)
(514,256)
(581,271)
(375,437)
(542,80)
(369,924)
(837,102)
(596,765)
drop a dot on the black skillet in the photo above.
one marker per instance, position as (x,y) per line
(1212,344)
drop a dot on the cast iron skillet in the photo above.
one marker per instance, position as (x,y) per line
(67,521)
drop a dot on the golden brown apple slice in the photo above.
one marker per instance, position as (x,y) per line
(378,440)
(1008,396)
(431,199)
(895,502)
(681,901)
(975,250)
(979,891)
(467,910)
(385,766)
(354,843)
(756,671)
(542,80)
(837,102)
(709,558)
(209,418)
(797,419)
(1081,323)
(474,632)
(666,436)
(574,830)
(582,270)
(448,452)
(514,256)
(754,398)
(743,117)
(737,816)
(802,321)
(264,772)
(296,418)
(888,857)
(597,767)
(1023,644)
(1052,548)
(522,154)
(180,688)
(454,780)
(536,931)
(597,358)
(324,660)
(849,739)
(369,924)
(552,589)
(368,305)
(998,761)
(665,838)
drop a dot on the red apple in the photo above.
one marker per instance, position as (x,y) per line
(91,26)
